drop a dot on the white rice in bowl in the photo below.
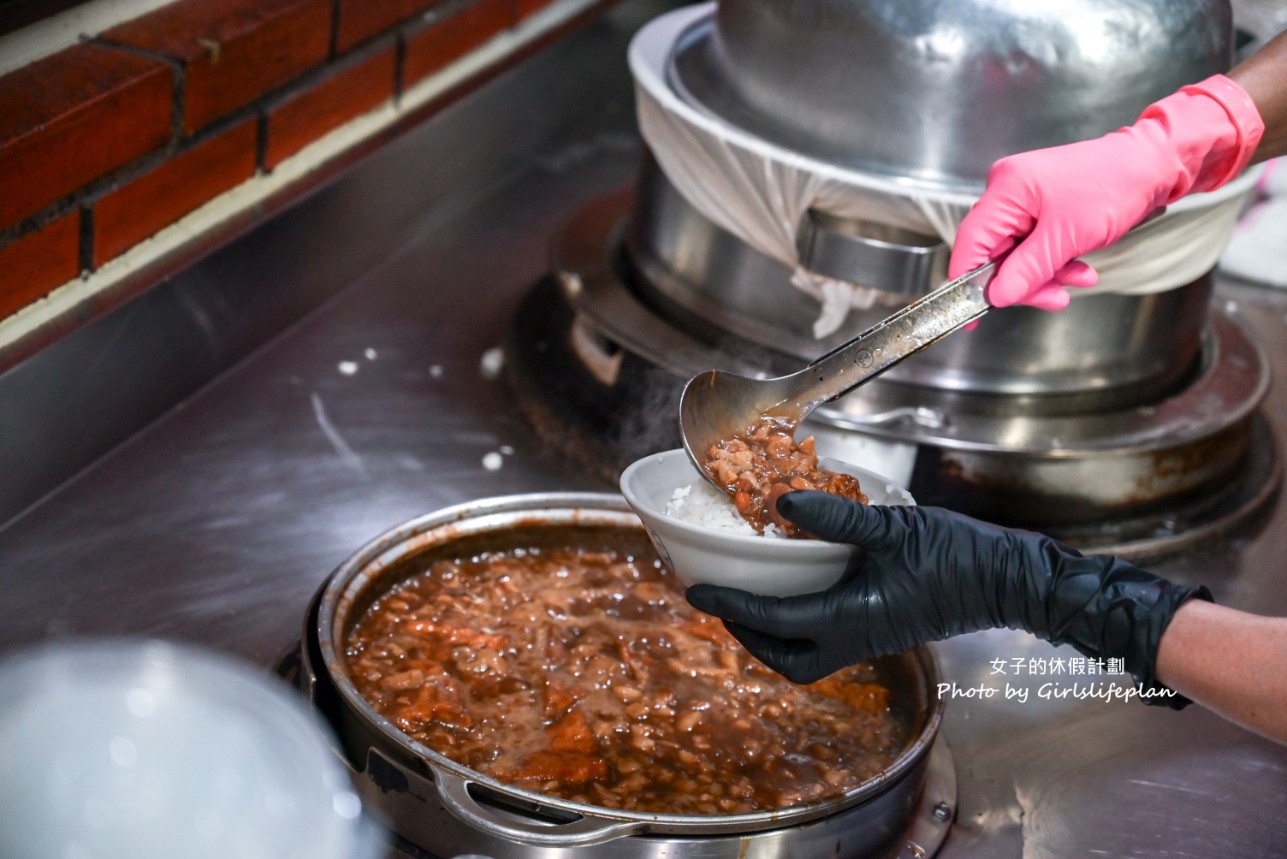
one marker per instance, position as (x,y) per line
(705,506)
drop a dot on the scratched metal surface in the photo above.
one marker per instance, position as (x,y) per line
(218,522)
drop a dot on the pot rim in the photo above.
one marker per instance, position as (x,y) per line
(362,569)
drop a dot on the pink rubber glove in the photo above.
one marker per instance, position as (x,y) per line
(1053,205)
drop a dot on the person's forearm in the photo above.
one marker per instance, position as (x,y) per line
(1230,662)
(1264,76)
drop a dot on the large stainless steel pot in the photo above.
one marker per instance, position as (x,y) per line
(929,93)
(936,90)
(1104,351)
(447,808)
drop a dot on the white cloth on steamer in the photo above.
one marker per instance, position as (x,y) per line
(1257,251)
(760,192)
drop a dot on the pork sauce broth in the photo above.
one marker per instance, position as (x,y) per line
(571,665)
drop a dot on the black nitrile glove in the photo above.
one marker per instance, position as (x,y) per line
(930,574)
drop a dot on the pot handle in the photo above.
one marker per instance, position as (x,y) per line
(877,256)
(455,796)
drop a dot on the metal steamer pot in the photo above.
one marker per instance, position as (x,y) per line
(930,93)
(1104,351)
(447,808)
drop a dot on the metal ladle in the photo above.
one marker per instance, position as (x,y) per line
(716,405)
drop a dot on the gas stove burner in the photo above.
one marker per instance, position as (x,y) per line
(597,364)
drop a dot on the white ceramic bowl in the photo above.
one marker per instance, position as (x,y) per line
(764,565)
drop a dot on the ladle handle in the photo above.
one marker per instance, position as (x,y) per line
(907,332)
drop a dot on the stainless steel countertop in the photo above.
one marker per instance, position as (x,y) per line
(217,522)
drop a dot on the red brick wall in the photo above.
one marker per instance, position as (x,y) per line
(105,143)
